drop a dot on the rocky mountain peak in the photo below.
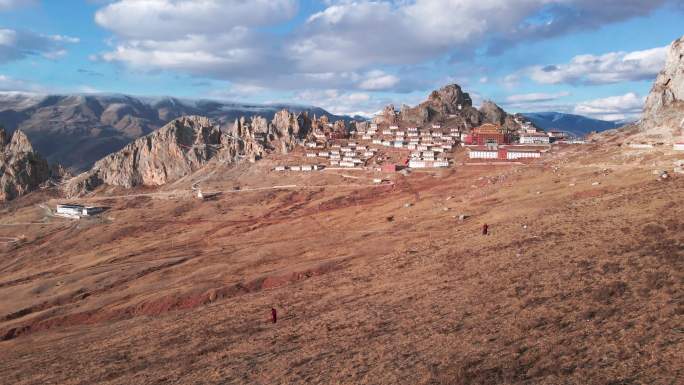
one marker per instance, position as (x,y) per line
(663,116)
(22,170)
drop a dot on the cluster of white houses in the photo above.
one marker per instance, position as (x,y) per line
(349,155)
(429,147)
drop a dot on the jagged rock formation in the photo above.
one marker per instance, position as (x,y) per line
(78,130)
(22,170)
(450,105)
(173,151)
(663,117)
(188,143)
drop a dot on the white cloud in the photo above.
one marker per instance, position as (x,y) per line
(172,19)
(622,107)
(17,45)
(536,97)
(338,46)
(612,67)
(378,80)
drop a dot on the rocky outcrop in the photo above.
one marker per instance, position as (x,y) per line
(173,151)
(188,143)
(22,170)
(448,102)
(452,106)
(663,117)
(78,130)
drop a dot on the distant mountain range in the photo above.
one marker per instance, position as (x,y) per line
(575,124)
(78,130)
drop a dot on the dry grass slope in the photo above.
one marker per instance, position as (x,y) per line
(576,283)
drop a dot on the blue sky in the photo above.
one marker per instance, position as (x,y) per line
(596,58)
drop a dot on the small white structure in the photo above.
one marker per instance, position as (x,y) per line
(280,168)
(393,127)
(522,154)
(311,155)
(347,164)
(306,167)
(77,211)
(324,154)
(295,168)
(538,138)
(417,164)
(483,154)
(678,146)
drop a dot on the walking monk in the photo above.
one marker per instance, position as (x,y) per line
(485,229)
(274,315)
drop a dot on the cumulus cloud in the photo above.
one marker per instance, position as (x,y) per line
(227,39)
(354,48)
(612,67)
(622,107)
(17,45)
(405,32)
(172,19)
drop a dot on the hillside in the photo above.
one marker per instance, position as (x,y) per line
(78,130)
(577,283)
(576,124)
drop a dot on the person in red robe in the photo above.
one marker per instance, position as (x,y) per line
(274,315)
(485,229)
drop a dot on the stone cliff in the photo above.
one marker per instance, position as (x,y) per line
(663,117)
(188,143)
(22,170)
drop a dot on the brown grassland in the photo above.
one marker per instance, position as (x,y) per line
(577,282)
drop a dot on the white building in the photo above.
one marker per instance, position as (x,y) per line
(522,154)
(280,168)
(77,211)
(417,164)
(483,154)
(311,155)
(538,138)
(678,146)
